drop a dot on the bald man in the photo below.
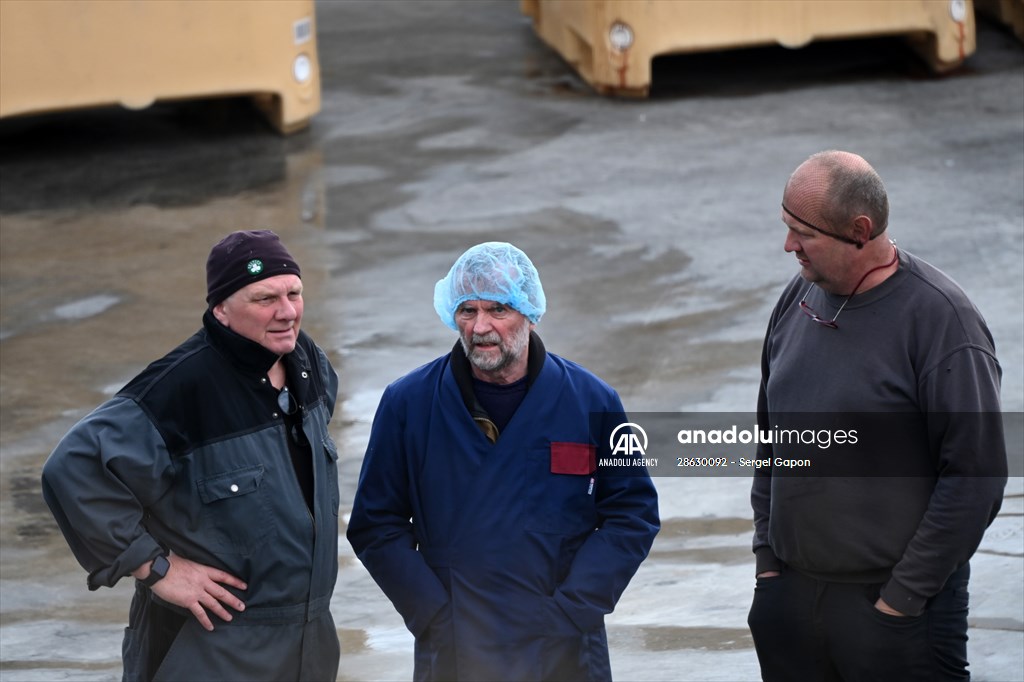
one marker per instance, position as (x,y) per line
(862,563)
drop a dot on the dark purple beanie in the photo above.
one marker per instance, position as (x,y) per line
(245,257)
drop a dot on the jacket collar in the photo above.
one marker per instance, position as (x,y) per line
(246,355)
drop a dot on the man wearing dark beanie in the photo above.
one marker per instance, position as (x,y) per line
(245,257)
(212,479)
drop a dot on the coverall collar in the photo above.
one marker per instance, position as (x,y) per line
(463,374)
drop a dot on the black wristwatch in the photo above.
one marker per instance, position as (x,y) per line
(157,571)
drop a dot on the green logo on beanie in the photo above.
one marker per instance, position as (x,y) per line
(255,266)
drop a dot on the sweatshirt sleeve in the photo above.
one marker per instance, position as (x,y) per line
(761,487)
(99,481)
(965,427)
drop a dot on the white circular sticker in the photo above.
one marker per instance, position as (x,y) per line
(302,68)
(958,10)
(620,36)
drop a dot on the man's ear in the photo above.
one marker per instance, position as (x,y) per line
(218,312)
(861,232)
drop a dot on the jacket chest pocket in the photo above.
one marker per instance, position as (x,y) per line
(236,514)
(563,500)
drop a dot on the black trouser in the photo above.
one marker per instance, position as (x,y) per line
(153,628)
(808,630)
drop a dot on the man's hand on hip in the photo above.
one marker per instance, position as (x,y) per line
(199,588)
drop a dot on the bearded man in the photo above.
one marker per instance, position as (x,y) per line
(480,510)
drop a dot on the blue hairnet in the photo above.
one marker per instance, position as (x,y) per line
(492,271)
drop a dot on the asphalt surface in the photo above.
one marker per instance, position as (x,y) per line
(654,225)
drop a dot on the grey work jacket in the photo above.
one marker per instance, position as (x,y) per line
(192,457)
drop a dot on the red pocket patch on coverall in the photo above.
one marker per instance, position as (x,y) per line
(573,458)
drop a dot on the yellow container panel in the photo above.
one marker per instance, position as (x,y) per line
(611,42)
(66,54)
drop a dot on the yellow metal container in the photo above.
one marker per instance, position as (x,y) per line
(611,43)
(67,54)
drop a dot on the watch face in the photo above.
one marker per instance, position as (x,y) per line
(160,566)
(157,571)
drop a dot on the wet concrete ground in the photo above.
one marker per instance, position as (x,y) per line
(654,226)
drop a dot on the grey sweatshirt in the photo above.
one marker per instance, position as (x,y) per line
(912,366)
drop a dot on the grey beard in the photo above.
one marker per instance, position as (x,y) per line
(517,343)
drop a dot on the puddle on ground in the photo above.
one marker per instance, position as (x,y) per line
(704,525)
(669,638)
(353,640)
